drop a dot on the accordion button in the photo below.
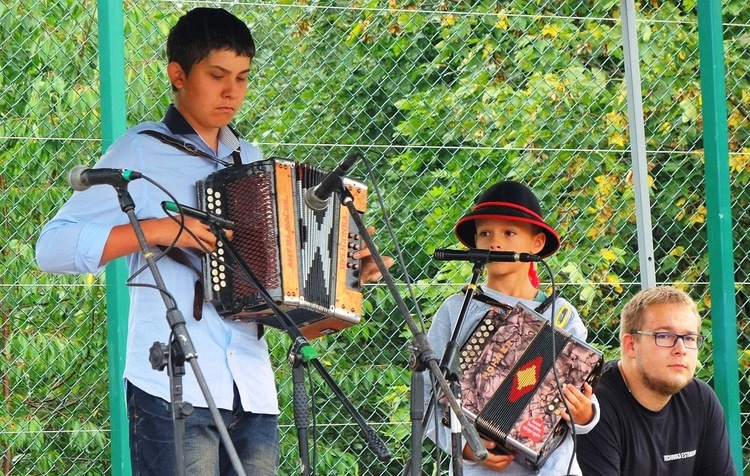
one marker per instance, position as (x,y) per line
(217,288)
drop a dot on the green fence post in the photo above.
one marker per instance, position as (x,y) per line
(112,79)
(718,204)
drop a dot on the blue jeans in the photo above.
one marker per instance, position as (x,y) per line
(254,436)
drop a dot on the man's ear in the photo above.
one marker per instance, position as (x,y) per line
(628,345)
(176,75)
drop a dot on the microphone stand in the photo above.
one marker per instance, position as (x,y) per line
(451,368)
(301,354)
(179,350)
(424,356)
(450,365)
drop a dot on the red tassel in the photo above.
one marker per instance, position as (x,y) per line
(533,276)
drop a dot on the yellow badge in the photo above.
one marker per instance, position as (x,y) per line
(563,315)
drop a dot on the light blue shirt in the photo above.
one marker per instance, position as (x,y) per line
(73,242)
(440,333)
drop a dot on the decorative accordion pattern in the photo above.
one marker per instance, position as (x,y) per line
(508,385)
(300,256)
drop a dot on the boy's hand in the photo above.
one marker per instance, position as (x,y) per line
(494,461)
(166,229)
(369,271)
(579,404)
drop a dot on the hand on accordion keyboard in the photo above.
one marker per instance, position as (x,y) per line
(496,460)
(579,403)
(369,271)
(195,234)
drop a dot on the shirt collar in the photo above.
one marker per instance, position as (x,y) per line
(178,125)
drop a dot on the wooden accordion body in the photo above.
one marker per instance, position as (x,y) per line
(508,385)
(300,256)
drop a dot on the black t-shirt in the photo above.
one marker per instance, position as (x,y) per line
(688,436)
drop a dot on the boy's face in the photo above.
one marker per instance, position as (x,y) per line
(212,94)
(508,235)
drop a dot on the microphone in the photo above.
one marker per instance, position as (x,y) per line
(487,256)
(316,197)
(204,217)
(81,178)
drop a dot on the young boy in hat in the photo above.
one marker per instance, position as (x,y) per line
(507,217)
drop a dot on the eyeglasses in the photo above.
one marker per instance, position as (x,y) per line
(669,339)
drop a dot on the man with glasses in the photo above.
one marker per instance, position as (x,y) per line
(656,418)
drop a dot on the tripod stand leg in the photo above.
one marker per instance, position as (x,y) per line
(301,414)
(456,440)
(417,414)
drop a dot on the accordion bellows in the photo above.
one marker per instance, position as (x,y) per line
(300,256)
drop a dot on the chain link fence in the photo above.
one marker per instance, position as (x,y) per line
(442,99)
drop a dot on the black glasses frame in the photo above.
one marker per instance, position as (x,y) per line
(663,334)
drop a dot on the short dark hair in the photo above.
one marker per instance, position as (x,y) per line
(203,30)
(632,315)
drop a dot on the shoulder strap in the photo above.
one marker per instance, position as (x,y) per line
(546,303)
(481,297)
(189,148)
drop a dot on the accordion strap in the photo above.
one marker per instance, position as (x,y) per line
(481,297)
(189,148)
(180,256)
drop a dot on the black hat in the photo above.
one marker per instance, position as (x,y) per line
(507,200)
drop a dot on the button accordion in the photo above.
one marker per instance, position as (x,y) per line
(508,385)
(302,257)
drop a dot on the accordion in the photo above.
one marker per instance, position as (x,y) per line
(508,384)
(301,257)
